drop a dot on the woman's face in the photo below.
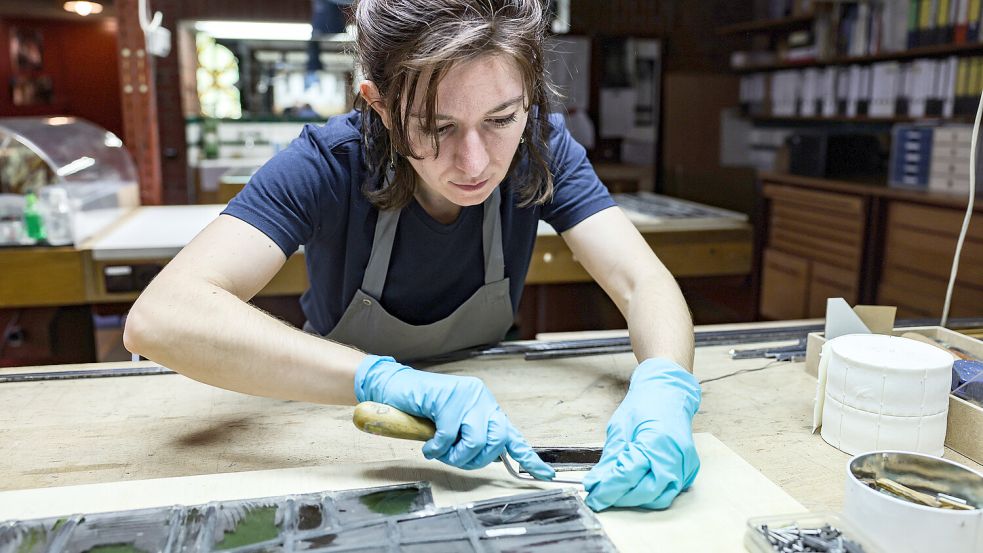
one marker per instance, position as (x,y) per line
(480,119)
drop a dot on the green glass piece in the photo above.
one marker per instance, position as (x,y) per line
(257,525)
(391,502)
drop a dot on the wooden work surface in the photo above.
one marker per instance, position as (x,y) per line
(108,435)
(85,431)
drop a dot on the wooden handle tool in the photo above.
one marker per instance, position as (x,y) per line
(384,420)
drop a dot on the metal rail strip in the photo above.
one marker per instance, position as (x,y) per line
(534,351)
(76,375)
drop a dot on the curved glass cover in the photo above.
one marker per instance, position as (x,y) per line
(79,172)
(60,150)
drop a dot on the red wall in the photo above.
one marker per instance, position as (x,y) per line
(81,59)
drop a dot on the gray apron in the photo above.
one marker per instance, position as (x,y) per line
(483,319)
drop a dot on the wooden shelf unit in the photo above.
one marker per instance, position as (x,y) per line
(860,119)
(933,51)
(919,52)
(767,25)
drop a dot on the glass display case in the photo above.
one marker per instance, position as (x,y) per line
(59,177)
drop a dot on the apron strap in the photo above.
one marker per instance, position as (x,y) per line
(382,249)
(491,234)
(385,235)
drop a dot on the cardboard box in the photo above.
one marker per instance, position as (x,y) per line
(964,430)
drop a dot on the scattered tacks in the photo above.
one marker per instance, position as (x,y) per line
(795,539)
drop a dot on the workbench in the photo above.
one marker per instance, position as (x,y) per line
(90,431)
(111,268)
(144,239)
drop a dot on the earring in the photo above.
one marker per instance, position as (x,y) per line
(392,157)
(522,140)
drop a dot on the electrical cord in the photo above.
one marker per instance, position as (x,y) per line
(742,371)
(969,215)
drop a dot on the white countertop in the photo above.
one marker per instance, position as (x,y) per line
(154,232)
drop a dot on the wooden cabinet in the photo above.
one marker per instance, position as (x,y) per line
(868,244)
(919,245)
(814,250)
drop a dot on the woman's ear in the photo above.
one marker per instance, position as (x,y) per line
(373,98)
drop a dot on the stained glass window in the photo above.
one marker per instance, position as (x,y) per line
(218,74)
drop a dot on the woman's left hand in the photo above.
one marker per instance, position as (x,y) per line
(649,456)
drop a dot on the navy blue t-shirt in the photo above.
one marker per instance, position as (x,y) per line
(310,194)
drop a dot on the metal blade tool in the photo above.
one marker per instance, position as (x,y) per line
(385,420)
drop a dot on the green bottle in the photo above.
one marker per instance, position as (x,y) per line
(32,218)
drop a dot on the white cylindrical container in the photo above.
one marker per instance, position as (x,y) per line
(885,392)
(900,526)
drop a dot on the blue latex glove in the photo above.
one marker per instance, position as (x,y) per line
(648,456)
(472,430)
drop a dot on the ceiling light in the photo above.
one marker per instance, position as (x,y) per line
(83,8)
(58,121)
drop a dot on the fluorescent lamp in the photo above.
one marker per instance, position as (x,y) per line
(245,30)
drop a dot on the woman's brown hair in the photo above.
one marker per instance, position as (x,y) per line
(400,43)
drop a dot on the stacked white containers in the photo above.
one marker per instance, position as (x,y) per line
(885,392)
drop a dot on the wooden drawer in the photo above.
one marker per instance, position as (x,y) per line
(818,249)
(784,285)
(821,226)
(909,305)
(828,281)
(136,275)
(933,219)
(926,295)
(792,214)
(793,287)
(931,254)
(919,245)
(552,262)
(41,276)
(843,204)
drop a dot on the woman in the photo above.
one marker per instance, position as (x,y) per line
(418,213)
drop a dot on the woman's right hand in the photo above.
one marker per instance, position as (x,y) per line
(472,430)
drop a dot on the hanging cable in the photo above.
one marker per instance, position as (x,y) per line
(966,219)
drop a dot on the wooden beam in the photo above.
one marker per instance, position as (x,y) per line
(140,129)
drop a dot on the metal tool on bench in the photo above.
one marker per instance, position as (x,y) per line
(385,420)
(794,352)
